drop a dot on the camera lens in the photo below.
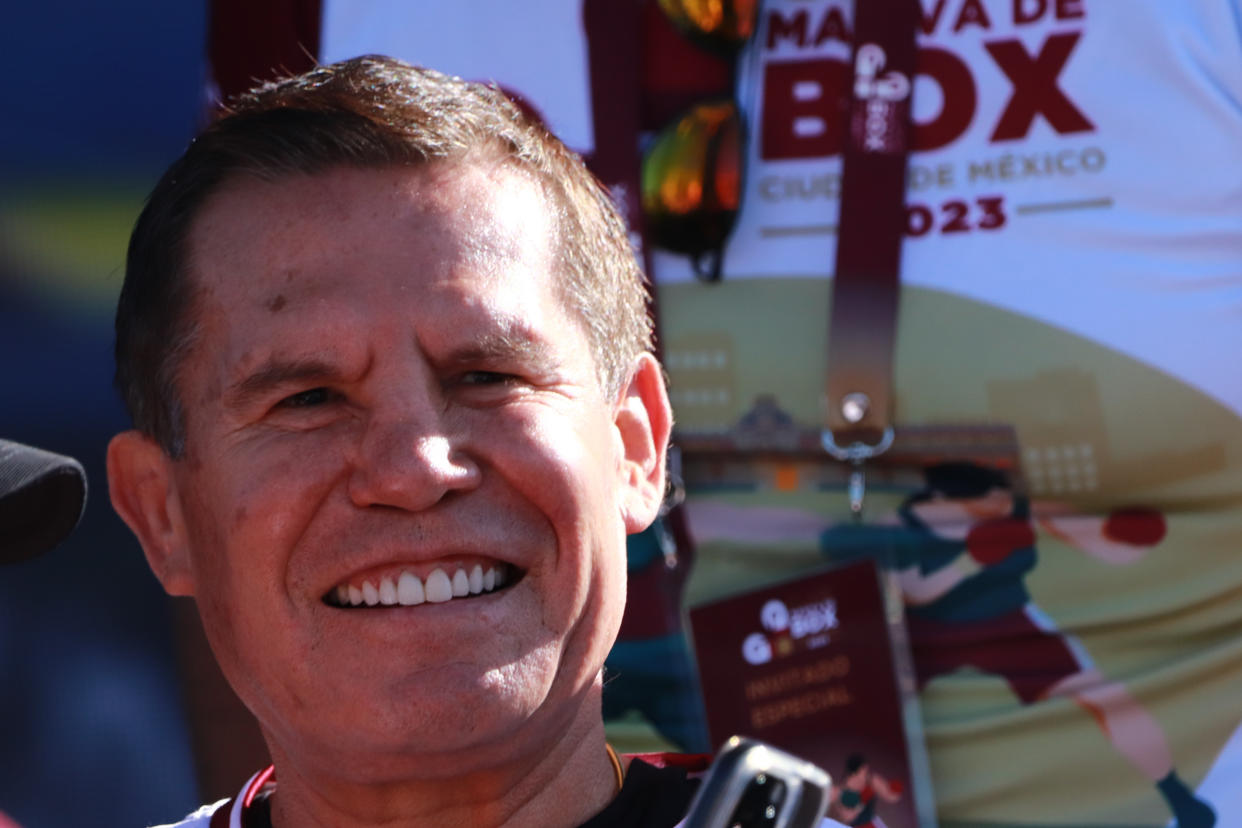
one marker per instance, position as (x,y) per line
(759,805)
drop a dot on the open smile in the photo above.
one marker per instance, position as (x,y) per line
(405,589)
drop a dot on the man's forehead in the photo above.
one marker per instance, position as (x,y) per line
(482,211)
(283,246)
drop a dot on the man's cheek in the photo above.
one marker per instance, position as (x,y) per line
(274,502)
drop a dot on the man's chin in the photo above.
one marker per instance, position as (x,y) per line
(436,714)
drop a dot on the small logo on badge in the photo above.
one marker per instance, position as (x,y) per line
(785,630)
(756,649)
(774,616)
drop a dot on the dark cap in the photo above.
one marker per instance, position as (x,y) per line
(41,499)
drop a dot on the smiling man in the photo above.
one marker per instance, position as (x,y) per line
(386,349)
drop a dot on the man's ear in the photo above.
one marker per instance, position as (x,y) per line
(644,420)
(144,494)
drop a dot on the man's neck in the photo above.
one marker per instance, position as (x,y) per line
(562,784)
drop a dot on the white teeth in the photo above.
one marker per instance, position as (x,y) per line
(409,590)
(439,588)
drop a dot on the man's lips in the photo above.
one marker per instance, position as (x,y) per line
(406,589)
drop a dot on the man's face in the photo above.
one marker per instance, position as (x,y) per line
(386,387)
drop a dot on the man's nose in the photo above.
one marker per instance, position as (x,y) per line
(410,464)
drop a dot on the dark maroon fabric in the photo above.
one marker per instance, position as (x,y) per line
(866,278)
(248,41)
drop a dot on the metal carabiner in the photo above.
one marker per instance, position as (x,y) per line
(856,454)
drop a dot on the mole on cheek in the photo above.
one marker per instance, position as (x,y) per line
(239,517)
(276,303)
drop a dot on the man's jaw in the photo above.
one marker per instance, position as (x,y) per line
(404,588)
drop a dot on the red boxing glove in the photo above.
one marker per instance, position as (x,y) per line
(993,541)
(1135,527)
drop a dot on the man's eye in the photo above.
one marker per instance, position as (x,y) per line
(306,399)
(485,378)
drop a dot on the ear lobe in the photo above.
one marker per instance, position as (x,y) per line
(143,492)
(644,420)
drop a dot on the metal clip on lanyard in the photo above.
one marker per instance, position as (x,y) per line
(856,453)
(863,325)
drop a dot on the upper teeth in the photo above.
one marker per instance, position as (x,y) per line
(408,590)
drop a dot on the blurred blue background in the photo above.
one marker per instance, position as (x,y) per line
(97,98)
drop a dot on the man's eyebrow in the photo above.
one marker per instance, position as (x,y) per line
(506,345)
(275,373)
